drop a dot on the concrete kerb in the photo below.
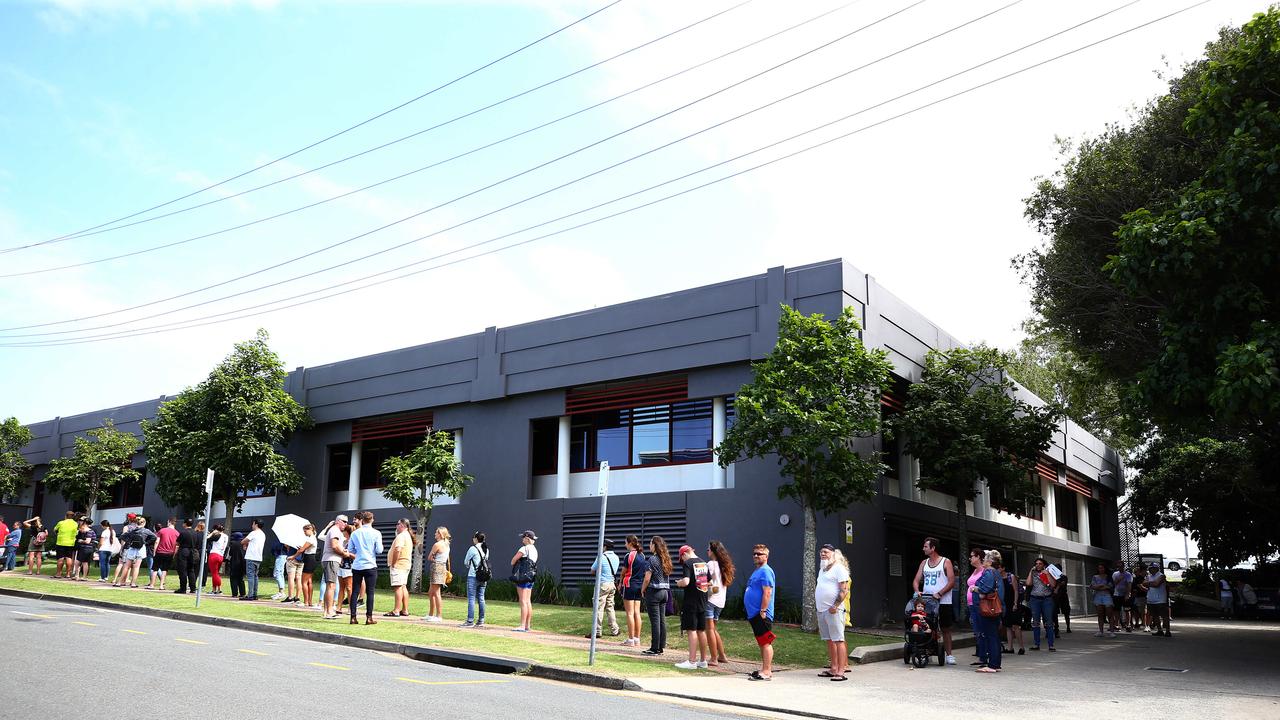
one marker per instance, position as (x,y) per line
(746,705)
(436,656)
(893,651)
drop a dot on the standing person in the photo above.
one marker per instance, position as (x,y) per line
(935,579)
(828,596)
(218,542)
(153,540)
(977,556)
(758,601)
(654,587)
(295,567)
(334,541)
(1158,600)
(1138,597)
(720,573)
(35,548)
(134,542)
(188,557)
(344,569)
(310,561)
(399,562)
(4,542)
(1013,611)
(606,568)
(1041,587)
(634,566)
(693,608)
(1121,587)
(86,547)
(988,627)
(108,546)
(1062,604)
(1248,599)
(440,570)
(253,543)
(365,545)
(11,542)
(64,544)
(524,570)
(479,571)
(1101,584)
(236,564)
(166,549)
(281,553)
(1226,599)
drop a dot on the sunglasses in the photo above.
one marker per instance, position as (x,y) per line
(759,554)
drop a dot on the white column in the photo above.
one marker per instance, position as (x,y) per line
(562,457)
(457,445)
(982,502)
(1082,515)
(719,423)
(1050,509)
(353,479)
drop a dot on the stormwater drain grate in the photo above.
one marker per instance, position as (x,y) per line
(1160,669)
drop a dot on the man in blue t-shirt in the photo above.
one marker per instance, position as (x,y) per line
(758,600)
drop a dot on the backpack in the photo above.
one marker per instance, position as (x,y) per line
(524,571)
(483,572)
(135,539)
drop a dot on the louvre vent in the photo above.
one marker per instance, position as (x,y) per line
(580,532)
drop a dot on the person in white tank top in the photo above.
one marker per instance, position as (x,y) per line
(934,581)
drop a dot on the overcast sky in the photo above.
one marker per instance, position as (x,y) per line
(110,107)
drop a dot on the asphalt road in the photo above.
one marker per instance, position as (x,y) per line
(71,659)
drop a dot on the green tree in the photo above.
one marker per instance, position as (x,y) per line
(15,471)
(963,423)
(101,461)
(816,393)
(232,422)
(1160,268)
(417,480)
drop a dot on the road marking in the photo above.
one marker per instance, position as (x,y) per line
(192,642)
(86,624)
(45,617)
(251,652)
(449,682)
(331,667)
(134,632)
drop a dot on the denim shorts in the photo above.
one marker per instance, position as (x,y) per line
(525,586)
(713,612)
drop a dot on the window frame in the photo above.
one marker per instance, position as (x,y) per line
(1058,492)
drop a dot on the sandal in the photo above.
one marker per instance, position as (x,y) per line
(825,673)
(838,678)
(402,614)
(755,675)
(391,614)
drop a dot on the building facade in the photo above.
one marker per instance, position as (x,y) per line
(647,385)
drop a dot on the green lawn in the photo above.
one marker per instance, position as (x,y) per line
(793,647)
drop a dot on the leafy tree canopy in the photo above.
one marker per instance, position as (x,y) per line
(232,422)
(816,393)
(15,471)
(101,461)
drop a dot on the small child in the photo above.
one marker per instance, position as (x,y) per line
(919,618)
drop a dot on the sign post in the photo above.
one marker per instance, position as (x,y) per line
(208,508)
(603,489)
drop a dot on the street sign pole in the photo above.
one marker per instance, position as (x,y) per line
(595,604)
(208,508)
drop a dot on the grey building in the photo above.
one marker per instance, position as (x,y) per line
(647,385)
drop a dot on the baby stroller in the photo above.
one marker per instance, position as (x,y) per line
(918,647)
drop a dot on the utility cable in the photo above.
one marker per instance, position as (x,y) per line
(325,139)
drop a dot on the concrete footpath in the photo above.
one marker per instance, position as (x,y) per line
(1207,671)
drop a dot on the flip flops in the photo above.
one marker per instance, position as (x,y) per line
(838,678)
(755,675)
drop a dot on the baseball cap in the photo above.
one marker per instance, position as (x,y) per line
(685,549)
(1153,566)
(828,546)
(343,518)
(529,534)
(608,544)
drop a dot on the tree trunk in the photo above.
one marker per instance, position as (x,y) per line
(230,510)
(415,573)
(92,504)
(810,617)
(962,537)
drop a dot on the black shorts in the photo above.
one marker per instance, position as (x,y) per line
(1158,610)
(309,563)
(763,630)
(631,593)
(693,619)
(946,616)
(86,554)
(164,563)
(65,551)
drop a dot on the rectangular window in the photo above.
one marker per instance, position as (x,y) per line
(128,493)
(545,443)
(691,431)
(339,468)
(375,452)
(651,435)
(631,437)
(1095,522)
(1068,515)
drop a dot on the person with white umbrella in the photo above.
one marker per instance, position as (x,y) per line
(289,532)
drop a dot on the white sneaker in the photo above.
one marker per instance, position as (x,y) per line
(433,619)
(702,664)
(951,659)
(278,596)
(686,665)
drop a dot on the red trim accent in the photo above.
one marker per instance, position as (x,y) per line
(1079,483)
(391,427)
(892,402)
(1047,469)
(618,396)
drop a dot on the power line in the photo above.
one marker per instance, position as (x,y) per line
(136,332)
(423,168)
(499,182)
(326,139)
(376,148)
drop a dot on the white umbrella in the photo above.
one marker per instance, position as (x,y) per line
(288,529)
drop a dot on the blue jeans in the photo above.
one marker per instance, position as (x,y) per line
(475,596)
(974,617)
(279,571)
(10,556)
(251,578)
(988,639)
(104,564)
(1042,610)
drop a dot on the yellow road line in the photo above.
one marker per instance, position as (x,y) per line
(192,642)
(46,617)
(86,624)
(134,632)
(251,652)
(450,682)
(331,667)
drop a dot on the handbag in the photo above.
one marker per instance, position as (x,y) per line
(990,606)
